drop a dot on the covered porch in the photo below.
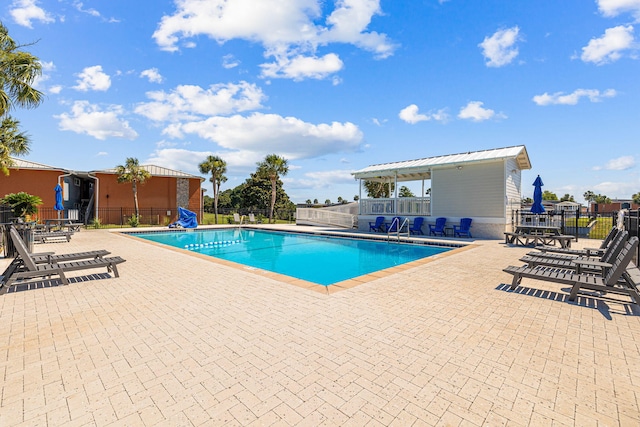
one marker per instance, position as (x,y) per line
(482,185)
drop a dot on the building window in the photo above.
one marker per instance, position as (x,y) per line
(76,182)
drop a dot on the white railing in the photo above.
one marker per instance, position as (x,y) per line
(326,217)
(403,205)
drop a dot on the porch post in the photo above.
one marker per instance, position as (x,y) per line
(422,198)
(360,196)
(395,193)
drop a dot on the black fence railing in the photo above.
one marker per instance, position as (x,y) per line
(591,225)
(122,217)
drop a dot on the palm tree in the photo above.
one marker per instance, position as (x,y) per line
(12,143)
(217,167)
(272,167)
(18,70)
(132,172)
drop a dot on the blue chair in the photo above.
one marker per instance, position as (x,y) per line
(463,228)
(438,227)
(416,228)
(378,225)
(395,223)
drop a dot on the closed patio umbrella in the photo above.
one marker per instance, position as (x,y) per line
(58,206)
(537,207)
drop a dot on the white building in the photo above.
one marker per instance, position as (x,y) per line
(482,185)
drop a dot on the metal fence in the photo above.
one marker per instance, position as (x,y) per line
(589,225)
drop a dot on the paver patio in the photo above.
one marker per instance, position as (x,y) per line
(181,340)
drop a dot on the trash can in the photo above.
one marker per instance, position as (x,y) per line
(24,230)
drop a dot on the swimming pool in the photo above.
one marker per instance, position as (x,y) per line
(324,260)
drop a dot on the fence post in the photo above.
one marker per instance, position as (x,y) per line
(577,220)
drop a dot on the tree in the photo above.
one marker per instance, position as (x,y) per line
(18,70)
(12,143)
(601,199)
(356,198)
(636,198)
(376,190)
(255,193)
(132,172)
(548,195)
(315,201)
(340,199)
(405,192)
(272,167)
(327,202)
(22,203)
(589,196)
(527,200)
(218,168)
(567,198)
(308,201)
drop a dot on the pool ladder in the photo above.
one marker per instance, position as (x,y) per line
(398,228)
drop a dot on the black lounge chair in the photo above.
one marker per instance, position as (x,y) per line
(45,236)
(586,251)
(619,279)
(35,266)
(580,263)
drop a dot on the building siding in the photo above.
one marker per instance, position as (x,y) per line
(39,183)
(475,190)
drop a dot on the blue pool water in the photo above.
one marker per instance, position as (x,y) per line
(319,259)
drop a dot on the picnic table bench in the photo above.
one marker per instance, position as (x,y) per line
(535,239)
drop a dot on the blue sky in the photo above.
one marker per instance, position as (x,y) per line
(335,86)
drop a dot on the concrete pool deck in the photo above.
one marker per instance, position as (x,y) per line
(181,340)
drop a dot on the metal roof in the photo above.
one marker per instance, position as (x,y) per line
(156,171)
(26,164)
(413,170)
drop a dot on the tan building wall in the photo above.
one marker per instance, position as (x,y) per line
(158,192)
(39,183)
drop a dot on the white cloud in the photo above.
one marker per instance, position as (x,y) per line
(229,61)
(55,89)
(189,102)
(267,133)
(102,153)
(618,164)
(152,74)
(474,111)
(93,78)
(25,11)
(611,8)
(500,49)
(86,118)
(559,98)
(622,189)
(410,115)
(321,180)
(78,5)
(286,29)
(186,160)
(610,46)
(303,67)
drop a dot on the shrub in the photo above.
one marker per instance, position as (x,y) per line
(22,203)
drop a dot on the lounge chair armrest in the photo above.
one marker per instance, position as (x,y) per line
(592,265)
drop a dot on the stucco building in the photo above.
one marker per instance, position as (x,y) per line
(97,194)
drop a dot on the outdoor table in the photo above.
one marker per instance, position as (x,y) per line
(537,234)
(537,229)
(59,223)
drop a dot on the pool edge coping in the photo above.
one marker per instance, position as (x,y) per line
(328,289)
